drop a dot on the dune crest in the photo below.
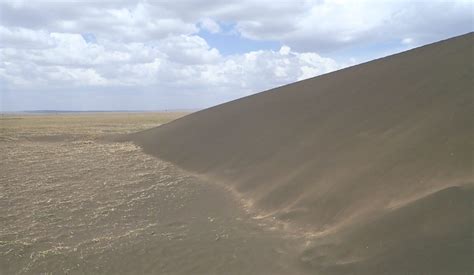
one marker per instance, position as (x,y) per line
(379,154)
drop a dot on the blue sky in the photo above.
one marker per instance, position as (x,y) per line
(229,42)
(154,55)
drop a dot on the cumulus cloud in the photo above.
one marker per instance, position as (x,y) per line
(302,24)
(118,20)
(17,37)
(188,49)
(325,26)
(209,25)
(183,61)
(159,46)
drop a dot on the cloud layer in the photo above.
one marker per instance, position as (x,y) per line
(158,47)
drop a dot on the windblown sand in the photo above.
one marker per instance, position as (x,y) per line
(73,202)
(374,161)
(367,170)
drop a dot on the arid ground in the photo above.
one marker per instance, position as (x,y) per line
(367,170)
(72,201)
(375,160)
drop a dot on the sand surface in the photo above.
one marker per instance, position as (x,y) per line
(367,170)
(72,202)
(373,161)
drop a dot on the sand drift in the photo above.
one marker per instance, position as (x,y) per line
(367,170)
(373,161)
(73,203)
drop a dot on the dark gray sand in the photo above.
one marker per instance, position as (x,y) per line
(374,161)
(84,206)
(367,170)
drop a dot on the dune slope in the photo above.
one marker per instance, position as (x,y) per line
(375,159)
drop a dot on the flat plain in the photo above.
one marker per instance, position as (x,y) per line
(73,201)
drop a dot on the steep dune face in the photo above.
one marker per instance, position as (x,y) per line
(432,235)
(350,149)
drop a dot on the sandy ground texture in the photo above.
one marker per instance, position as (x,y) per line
(367,170)
(74,203)
(375,160)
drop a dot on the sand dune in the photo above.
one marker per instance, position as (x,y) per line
(374,160)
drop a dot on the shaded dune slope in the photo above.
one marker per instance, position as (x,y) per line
(375,159)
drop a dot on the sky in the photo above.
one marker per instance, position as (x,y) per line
(166,55)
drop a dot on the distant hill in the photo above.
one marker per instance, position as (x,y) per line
(375,160)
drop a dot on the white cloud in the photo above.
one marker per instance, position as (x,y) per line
(119,20)
(332,24)
(180,62)
(188,49)
(23,38)
(284,50)
(158,45)
(209,25)
(310,25)
(407,41)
